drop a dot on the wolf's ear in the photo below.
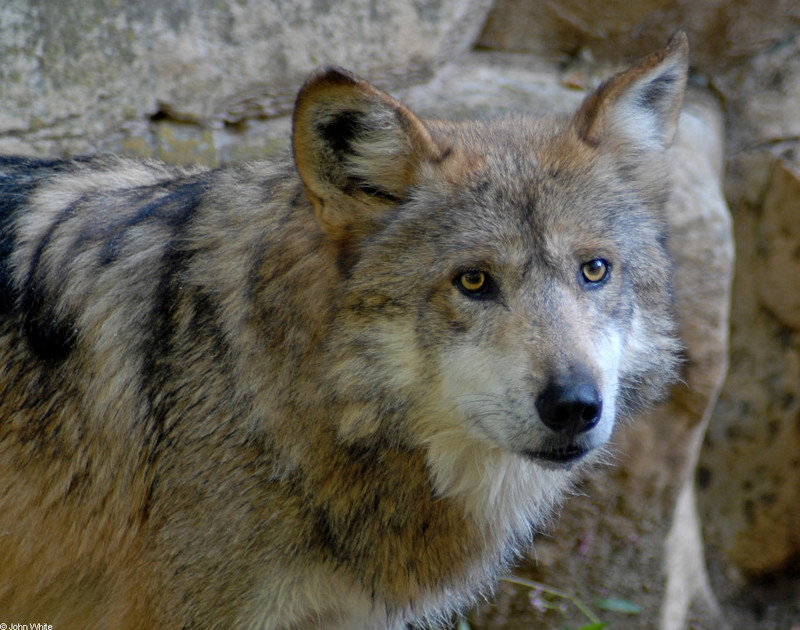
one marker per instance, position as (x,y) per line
(357,150)
(639,107)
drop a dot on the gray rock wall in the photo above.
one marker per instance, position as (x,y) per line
(83,76)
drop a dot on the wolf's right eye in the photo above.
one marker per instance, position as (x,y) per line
(475,283)
(473,280)
(595,271)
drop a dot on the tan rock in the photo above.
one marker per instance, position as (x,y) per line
(779,284)
(750,490)
(722,33)
(763,95)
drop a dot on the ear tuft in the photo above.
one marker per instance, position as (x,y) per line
(358,151)
(639,107)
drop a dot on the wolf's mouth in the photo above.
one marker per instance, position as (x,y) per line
(565,455)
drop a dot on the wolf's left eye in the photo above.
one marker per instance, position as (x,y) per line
(475,283)
(595,270)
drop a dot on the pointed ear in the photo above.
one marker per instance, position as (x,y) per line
(639,107)
(358,151)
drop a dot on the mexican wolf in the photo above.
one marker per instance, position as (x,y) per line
(337,391)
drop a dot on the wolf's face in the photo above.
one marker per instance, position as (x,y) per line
(506,284)
(511,281)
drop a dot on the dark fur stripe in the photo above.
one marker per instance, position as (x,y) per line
(184,320)
(13,197)
(175,208)
(19,178)
(50,334)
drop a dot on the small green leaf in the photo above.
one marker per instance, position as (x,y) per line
(618,605)
(594,626)
(462,624)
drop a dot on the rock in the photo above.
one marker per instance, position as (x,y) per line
(702,245)
(780,234)
(763,96)
(79,72)
(479,85)
(748,477)
(749,470)
(723,33)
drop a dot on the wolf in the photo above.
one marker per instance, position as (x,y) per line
(339,390)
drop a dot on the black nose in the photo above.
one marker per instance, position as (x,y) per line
(571,408)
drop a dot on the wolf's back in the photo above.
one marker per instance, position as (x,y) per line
(128,297)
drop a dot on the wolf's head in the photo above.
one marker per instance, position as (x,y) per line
(505,284)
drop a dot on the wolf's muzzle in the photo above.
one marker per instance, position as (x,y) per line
(570,409)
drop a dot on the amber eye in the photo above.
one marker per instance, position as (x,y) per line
(476,284)
(473,280)
(594,271)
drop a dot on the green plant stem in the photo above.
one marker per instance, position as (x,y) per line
(544,588)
